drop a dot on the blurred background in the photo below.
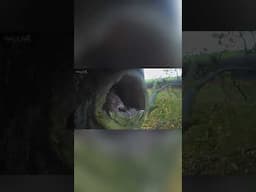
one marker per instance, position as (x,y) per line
(127,33)
(138,161)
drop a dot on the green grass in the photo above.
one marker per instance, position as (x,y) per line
(221,139)
(167,115)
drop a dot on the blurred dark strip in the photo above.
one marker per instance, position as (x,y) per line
(219,183)
(37,183)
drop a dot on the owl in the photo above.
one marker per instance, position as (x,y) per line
(114,103)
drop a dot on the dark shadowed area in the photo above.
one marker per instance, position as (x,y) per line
(37,100)
(40,183)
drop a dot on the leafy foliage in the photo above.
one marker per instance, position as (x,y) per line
(167,112)
(221,139)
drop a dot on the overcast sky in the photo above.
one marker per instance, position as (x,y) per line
(159,73)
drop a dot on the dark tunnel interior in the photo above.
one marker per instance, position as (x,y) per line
(131,92)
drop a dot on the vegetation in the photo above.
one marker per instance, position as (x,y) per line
(221,139)
(218,116)
(166,112)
